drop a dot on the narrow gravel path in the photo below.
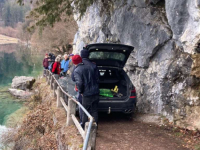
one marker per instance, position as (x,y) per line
(118,132)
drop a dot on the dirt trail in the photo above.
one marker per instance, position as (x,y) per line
(118,132)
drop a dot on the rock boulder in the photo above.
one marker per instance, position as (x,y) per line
(20,93)
(22,82)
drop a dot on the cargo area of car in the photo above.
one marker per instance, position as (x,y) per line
(113,79)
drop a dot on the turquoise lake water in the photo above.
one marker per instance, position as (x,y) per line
(18,61)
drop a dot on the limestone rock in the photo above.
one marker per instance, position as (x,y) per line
(22,82)
(196,65)
(144,28)
(184,19)
(142,3)
(20,93)
(140,28)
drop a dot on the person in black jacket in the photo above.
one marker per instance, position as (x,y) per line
(86,81)
(52,57)
(86,61)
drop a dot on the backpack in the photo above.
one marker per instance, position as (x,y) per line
(51,66)
(53,57)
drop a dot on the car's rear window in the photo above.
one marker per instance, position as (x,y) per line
(107,55)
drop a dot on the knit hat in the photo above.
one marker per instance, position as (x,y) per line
(71,55)
(76,59)
(84,53)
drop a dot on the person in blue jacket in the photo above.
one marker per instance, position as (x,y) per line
(65,64)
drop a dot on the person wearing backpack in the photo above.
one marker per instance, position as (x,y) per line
(51,60)
(56,66)
(52,57)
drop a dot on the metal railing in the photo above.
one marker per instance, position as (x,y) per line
(89,134)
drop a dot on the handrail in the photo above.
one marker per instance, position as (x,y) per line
(85,144)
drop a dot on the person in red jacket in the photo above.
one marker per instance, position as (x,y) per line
(56,66)
(45,62)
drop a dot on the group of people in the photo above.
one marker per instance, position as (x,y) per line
(56,65)
(85,74)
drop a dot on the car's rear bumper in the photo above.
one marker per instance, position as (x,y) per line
(126,106)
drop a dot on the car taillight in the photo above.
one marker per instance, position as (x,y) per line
(133,93)
(132,96)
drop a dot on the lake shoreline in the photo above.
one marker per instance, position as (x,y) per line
(15,60)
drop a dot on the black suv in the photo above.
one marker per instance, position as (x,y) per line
(110,59)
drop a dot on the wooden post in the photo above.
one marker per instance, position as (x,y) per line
(59,104)
(72,110)
(92,139)
(54,88)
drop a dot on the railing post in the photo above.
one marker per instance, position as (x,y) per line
(72,110)
(54,88)
(59,104)
(92,139)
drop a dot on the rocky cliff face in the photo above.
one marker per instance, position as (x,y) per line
(164,34)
